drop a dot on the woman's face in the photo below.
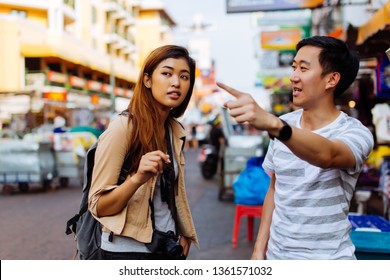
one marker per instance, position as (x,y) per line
(170,82)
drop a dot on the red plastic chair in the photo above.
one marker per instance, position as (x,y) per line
(250,211)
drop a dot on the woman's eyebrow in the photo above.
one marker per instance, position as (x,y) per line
(171,68)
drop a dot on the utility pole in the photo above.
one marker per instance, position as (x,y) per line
(112,53)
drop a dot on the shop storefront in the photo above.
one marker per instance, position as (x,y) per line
(80,101)
(372,95)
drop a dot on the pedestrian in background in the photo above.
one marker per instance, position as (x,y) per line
(151,204)
(315,157)
(218,140)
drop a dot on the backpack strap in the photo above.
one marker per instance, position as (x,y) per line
(71,224)
(126,163)
(88,168)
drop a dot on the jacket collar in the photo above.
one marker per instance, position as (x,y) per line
(179,132)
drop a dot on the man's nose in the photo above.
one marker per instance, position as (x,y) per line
(294,77)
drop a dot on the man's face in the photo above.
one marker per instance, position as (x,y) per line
(308,86)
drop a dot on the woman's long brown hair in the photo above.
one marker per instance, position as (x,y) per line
(146,134)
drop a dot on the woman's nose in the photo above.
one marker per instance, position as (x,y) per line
(175,81)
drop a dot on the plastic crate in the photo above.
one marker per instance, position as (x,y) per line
(371,245)
(370,222)
(371,236)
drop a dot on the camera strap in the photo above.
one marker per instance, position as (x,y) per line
(151,205)
(167,188)
(167,179)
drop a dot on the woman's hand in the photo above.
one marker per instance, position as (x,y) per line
(150,165)
(186,243)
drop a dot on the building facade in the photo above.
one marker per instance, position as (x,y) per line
(76,58)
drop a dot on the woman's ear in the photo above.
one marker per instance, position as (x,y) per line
(147,81)
(333,80)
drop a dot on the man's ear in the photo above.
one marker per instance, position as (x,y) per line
(147,81)
(333,80)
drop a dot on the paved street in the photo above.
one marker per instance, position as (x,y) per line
(33,223)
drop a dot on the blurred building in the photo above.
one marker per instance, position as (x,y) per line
(364,25)
(154,27)
(76,58)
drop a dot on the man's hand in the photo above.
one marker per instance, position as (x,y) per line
(245,109)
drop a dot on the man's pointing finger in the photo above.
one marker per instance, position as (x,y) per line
(230,90)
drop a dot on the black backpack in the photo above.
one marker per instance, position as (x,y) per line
(86,229)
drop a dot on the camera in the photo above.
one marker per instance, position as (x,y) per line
(166,243)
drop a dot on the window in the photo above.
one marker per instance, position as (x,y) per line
(19,13)
(94,15)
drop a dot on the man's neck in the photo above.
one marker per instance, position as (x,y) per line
(316,119)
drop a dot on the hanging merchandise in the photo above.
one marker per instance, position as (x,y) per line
(383,76)
(384,183)
(381,120)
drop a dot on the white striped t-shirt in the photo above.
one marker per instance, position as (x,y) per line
(310,219)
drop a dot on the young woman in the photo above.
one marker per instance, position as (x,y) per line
(151,204)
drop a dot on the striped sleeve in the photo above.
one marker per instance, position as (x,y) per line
(360,140)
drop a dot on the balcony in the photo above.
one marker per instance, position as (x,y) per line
(69,11)
(115,9)
(37,42)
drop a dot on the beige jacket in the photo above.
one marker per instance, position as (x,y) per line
(135,220)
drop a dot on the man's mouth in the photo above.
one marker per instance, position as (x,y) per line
(296,89)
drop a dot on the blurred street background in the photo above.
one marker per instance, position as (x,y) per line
(67,67)
(35,222)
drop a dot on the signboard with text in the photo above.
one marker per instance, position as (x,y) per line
(55,96)
(281,39)
(240,6)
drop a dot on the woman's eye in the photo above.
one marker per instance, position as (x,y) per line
(185,77)
(166,73)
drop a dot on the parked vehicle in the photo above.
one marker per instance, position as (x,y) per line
(70,150)
(208,161)
(43,157)
(243,144)
(25,162)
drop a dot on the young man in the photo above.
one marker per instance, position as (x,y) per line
(315,157)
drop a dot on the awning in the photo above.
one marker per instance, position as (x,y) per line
(379,21)
(338,33)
